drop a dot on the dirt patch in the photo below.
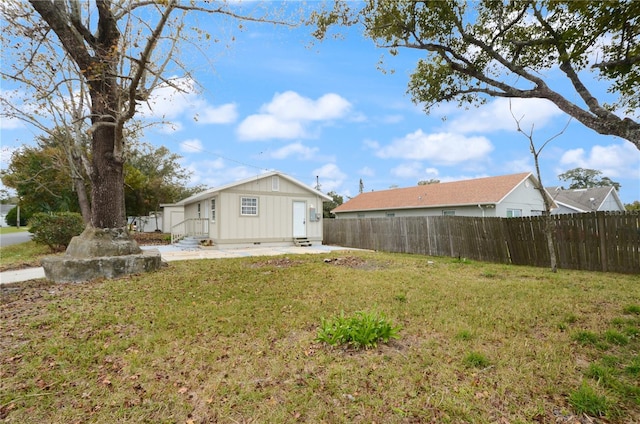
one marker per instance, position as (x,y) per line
(151,239)
(354,262)
(276,262)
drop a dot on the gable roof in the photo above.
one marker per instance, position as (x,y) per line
(212,191)
(580,199)
(491,190)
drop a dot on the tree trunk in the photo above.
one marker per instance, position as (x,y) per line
(107,191)
(549,224)
(83,200)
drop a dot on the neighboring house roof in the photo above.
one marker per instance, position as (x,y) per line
(490,190)
(212,191)
(584,199)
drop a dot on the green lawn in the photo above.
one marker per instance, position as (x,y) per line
(234,340)
(22,255)
(8,230)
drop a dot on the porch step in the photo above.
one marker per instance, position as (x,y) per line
(301,241)
(188,243)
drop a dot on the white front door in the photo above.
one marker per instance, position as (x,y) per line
(299,219)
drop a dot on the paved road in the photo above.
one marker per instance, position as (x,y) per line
(14,238)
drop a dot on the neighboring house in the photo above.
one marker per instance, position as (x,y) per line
(504,196)
(269,209)
(582,200)
(4,210)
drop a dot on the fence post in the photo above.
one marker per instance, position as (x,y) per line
(601,236)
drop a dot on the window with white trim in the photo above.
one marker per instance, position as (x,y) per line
(249,206)
(275,183)
(449,213)
(514,213)
(213,210)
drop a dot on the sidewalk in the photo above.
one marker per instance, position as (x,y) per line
(171,253)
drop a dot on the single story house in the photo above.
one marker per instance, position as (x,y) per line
(269,209)
(582,200)
(504,196)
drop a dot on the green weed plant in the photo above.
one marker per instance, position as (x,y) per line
(363,330)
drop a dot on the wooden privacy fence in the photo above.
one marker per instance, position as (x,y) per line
(598,241)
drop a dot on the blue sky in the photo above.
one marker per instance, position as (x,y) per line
(273,100)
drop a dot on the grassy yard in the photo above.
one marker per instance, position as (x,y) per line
(8,230)
(22,255)
(234,341)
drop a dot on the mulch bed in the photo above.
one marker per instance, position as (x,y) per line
(151,239)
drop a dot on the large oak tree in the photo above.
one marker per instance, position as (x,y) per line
(110,55)
(514,49)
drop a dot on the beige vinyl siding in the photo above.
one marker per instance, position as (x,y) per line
(274,222)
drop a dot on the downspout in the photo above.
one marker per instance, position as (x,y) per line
(482,209)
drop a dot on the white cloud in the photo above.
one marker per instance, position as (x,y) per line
(214,173)
(262,127)
(295,149)
(371,144)
(393,119)
(431,172)
(414,170)
(7,123)
(614,160)
(442,148)
(330,177)
(407,170)
(462,177)
(191,146)
(497,116)
(519,165)
(182,101)
(367,172)
(169,102)
(5,155)
(288,115)
(291,106)
(225,114)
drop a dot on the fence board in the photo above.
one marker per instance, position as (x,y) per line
(596,241)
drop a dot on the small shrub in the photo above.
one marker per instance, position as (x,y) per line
(585,400)
(476,360)
(55,230)
(12,217)
(363,330)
